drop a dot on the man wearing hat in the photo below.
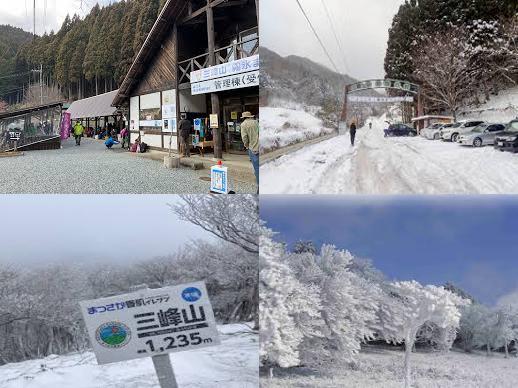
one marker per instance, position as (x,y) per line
(250,136)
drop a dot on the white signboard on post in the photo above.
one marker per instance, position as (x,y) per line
(380,99)
(150,322)
(236,81)
(219,179)
(243,65)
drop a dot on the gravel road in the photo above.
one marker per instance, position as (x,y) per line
(93,169)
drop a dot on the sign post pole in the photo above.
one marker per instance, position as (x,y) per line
(164,371)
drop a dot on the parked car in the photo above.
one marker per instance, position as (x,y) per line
(508,139)
(400,130)
(431,128)
(435,134)
(452,133)
(483,134)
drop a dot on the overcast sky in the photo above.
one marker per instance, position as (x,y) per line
(470,241)
(38,229)
(361,26)
(49,13)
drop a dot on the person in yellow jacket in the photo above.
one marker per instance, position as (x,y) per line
(78,132)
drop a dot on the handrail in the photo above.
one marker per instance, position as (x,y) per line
(220,49)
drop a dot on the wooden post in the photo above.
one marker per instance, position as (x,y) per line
(214,98)
(257,12)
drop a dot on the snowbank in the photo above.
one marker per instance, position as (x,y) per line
(284,126)
(380,368)
(501,108)
(232,364)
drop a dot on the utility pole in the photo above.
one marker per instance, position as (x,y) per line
(41,84)
(34,19)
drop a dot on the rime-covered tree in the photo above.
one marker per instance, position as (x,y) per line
(409,306)
(288,308)
(471,321)
(348,305)
(233,219)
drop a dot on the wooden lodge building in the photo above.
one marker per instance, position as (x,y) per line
(200,58)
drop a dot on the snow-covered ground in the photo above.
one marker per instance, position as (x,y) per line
(232,364)
(378,165)
(284,126)
(500,109)
(379,368)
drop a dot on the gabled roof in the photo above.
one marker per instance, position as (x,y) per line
(23,111)
(170,12)
(96,106)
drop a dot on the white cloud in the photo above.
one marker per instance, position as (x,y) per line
(362,28)
(50,14)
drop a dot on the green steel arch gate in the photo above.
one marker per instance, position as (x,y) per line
(410,88)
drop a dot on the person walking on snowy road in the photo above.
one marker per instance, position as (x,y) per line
(352,130)
(78,132)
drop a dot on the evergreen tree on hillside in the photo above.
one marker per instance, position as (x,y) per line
(147,15)
(127,37)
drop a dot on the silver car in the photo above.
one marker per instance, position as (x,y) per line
(481,135)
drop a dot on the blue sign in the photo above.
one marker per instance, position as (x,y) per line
(191,294)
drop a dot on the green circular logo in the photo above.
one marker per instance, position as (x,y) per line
(113,335)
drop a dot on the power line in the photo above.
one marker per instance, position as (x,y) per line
(316,35)
(340,47)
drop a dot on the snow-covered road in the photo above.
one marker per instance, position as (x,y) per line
(379,165)
(233,364)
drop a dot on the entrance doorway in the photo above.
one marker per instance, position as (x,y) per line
(233,108)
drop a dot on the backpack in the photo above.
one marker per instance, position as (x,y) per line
(143,147)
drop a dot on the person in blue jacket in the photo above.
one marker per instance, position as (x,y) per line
(110,142)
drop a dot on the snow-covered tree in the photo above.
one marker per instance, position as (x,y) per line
(471,321)
(234,219)
(348,305)
(442,67)
(409,306)
(287,307)
(506,328)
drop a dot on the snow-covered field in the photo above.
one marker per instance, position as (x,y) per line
(379,368)
(378,165)
(232,364)
(501,108)
(281,127)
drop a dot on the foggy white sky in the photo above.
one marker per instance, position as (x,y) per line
(90,228)
(49,13)
(361,25)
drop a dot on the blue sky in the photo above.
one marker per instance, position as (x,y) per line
(470,241)
(36,229)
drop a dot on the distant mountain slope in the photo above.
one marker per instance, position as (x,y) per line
(299,80)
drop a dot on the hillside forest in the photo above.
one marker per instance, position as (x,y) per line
(86,57)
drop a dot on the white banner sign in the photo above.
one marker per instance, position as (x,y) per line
(236,81)
(225,69)
(380,99)
(149,322)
